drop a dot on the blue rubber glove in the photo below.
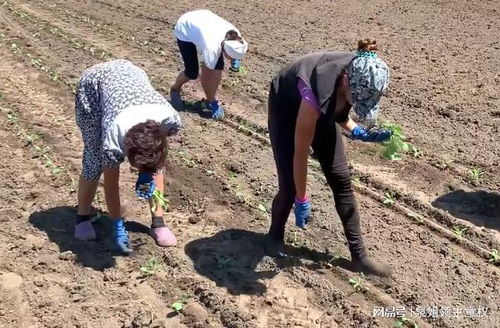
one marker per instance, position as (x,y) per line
(120,237)
(360,133)
(302,212)
(235,65)
(145,185)
(217,110)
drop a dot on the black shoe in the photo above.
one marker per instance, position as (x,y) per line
(367,265)
(274,247)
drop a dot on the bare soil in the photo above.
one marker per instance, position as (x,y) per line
(444,93)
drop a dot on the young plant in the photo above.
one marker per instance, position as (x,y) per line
(459,232)
(356,284)
(415,216)
(397,144)
(12,118)
(295,240)
(152,267)
(475,175)
(262,208)
(51,165)
(444,164)
(494,256)
(159,200)
(405,322)
(389,198)
(178,306)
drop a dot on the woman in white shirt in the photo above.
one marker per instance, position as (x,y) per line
(202,31)
(121,115)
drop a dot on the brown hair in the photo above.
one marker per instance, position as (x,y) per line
(146,146)
(367,45)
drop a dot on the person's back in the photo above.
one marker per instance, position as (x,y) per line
(204,28)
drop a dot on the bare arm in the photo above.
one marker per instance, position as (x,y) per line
(112,192)
(304,133)
(160,185)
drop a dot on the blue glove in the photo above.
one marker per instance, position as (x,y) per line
(235,65)
(217,110)
(360,133)
(120,237)
(145,185)
(302,212)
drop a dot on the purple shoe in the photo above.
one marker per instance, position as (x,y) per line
(163,236)
(85,231)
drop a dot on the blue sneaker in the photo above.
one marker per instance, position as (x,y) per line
(217,110)
(176,99)
(120,237)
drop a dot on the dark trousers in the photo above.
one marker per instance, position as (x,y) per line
(189,55)
(329,148)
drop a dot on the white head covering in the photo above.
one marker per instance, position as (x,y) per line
(236,49)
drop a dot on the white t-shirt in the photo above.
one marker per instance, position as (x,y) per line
(165,114)
(206,30)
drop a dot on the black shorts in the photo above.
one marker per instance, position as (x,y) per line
(190,57)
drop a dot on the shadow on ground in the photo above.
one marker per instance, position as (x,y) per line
(235,259)
(481,208)
(58,223)
(198,107)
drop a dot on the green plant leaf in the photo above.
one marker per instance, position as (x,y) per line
(178,306)
(262,208)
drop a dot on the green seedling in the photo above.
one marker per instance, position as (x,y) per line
(494,256)
(159,200)
(222,262)
(444,164)
(405,322)
(41,151)
(397,144)
(152,267)
(475,175)
(417,217)
(243,70)
(54,76)
(262,208)
(295,240)
(232,175)
(31,138)
(356,180)
(389,198)
(356,284)
(459,232)
(51,165)
(37,62)
(180,304)
(12,118)
(14,48)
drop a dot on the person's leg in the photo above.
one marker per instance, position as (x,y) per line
(89,123)
(162,235)
(210,79)
(281,133)
(191,70)
(86,193)
(329,147)
(180,81)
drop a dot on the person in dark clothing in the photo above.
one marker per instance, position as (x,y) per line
(309,103)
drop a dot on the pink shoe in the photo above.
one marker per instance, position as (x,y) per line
(85,231)
(163,236)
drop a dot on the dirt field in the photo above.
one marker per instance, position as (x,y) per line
(444,92)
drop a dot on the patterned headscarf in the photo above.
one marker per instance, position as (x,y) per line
(368,79)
